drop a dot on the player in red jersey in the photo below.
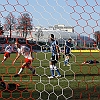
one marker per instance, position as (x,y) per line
(7,53)
(27,53)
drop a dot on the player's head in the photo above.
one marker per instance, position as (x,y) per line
(17,44)
(69,40)
(10,44)
(51,37)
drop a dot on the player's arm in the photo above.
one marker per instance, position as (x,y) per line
(58,51)
(31,53)
(18,55)
(6,48)
(64,49)
(57,48)
(12,49)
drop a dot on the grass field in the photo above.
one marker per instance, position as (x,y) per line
(78,82)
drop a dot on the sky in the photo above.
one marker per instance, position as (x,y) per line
(83,15)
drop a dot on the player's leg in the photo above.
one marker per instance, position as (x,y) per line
(51,67)
(21,69)
(57,70)
(51,70)
(6,55)
(31,69)
(5,58)
(67,56)
(55,67)
(28,65)
(66,61)
(3,84)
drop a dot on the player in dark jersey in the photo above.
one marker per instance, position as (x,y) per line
(67,51)
(54,57)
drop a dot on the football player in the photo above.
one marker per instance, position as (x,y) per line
(7,53)
(67,51)
(27,53)
(54,57)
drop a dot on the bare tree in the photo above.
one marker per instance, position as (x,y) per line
(10,22)
(25,24)
(97,38)
(39,33)
(1,29)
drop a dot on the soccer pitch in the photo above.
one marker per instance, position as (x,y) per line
(77,82)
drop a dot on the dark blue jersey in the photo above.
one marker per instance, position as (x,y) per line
(67,47)
(53,47)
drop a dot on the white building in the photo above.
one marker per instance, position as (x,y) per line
(62,27)
(60,31)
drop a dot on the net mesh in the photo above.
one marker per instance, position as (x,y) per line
(31,22)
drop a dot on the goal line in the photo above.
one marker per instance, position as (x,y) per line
(51,80)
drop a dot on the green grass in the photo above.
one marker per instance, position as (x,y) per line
(77,82)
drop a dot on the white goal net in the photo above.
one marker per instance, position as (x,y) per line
(31,22)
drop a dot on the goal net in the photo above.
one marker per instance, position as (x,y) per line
(30,23)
